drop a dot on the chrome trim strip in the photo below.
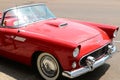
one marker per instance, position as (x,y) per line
(85,69)
(26,5)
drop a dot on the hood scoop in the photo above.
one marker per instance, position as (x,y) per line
(60,24)
(63,25)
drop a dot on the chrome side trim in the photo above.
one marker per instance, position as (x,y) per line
(85,69)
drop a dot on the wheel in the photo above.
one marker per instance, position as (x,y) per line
(48,66)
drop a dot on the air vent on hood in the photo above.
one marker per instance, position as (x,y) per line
(57,23)
(63,24)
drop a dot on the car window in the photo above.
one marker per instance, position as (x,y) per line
(10,18)
(21,16)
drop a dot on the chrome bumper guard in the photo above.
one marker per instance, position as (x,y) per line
(85,69)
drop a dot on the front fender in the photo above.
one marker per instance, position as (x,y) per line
(107,28)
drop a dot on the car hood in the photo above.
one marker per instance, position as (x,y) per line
(63,29)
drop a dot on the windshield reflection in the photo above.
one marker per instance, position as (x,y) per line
(25,15)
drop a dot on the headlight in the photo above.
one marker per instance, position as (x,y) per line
(115,33)
(76,52)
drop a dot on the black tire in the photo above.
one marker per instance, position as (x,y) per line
(48,67)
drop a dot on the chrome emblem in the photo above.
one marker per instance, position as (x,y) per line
(97,41)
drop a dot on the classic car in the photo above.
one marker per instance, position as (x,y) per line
(57,47)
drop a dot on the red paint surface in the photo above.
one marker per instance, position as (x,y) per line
(47,36)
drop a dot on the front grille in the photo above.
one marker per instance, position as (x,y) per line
(97,54)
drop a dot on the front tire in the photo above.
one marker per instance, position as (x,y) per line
(48,66)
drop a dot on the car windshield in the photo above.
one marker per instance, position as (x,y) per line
(20,16)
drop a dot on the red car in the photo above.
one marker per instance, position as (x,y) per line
(57,47)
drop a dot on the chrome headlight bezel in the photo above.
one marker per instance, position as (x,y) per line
(76,52)
(115,33)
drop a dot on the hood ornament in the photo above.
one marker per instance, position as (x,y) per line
(98,41)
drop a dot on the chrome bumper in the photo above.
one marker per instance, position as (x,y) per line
(85,69)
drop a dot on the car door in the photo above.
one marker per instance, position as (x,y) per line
(15,43)
(11,43)
(7,42)
(14,46)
